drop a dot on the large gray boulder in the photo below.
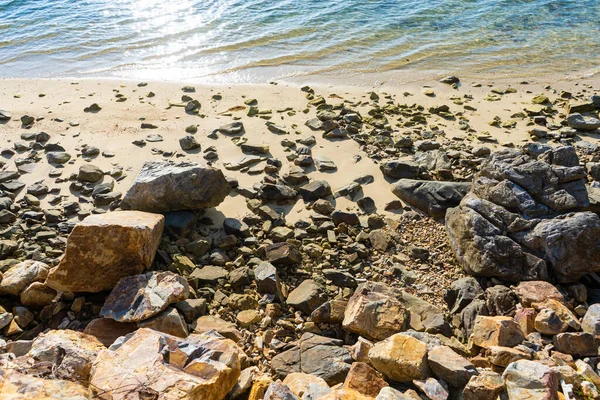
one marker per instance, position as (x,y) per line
(432,197)
(163,186)
(521,220)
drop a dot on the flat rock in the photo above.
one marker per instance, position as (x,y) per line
(163,186)
(139,297)
(104,248)
(583,123)
(400,358)
(307,296)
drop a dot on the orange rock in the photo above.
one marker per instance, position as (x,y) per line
(17,386)
(104,248)
(496,331)
(364,379)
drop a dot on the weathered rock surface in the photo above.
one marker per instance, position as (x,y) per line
(150,363)
(20,276)
(104,248)
(432,197)
(139,297)
(164,186)
(315,355)
(66,354)
(401,358)
(530,380)
(518,221)
(450,366)
(17,386)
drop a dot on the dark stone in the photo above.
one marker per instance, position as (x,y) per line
(432,197)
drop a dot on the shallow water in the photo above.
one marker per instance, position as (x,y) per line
(258,41)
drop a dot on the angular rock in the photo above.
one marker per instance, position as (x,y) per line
(267,280)
(163,186)
(530,380)
(298,382)
(517,223)
(374,313)
(591,320)
(536,292)
(67,354)
(104,248)
(226,329)
(188,143)
(315,355)
(401,169)
(496,331)
(583,123)
(315,190)
(364,379)
(152,364)
(307,297)
(22,275)
(450,366)
(486,385)
(461,293)
(168,321)
(503,356)
(432,197)
(577,344)
(90,173)
(283,254)
(37,295)
(139,297)
(17,386)
(400,358)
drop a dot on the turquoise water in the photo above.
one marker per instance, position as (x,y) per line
(255,41)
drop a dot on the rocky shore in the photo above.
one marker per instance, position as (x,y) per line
(428,242)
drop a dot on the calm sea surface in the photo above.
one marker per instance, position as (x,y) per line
(257,41)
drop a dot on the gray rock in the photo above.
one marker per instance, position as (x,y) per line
(233,226)
(517,223)
(5,115)
(188,143)
(583,123)
(315,190)
(139,297)
(164,186)
(401,169)
(234,128)
(267,280)
(526,379)
(315,355)
(90,173)
(591,320)
(432,197)
(242,162)
(324,163)
(58,157)
(461,293)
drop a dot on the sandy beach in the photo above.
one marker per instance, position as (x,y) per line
(58,108)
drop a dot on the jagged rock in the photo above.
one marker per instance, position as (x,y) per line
(501,300)
(432,197)
(17,386)
(22,275)
(496,331)
(283,254)
(267,280)
(365,380)
(401,358)
(188,143)
(548,322)
(517,222)
(530,380)
(164,186)
(433,389)
(307,297)
(486,385)
(272,192)
(315,355)
(374,313)
(104,248)
(168,321)
(502,356)
(67,354)
(233,226)
(279,391)
(150,364)
(461,293)
(591,320)
(450,366)
(139,297)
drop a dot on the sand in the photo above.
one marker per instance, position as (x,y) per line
(57,103)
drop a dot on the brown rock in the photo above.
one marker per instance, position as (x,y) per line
(530,292)
(578,344)
(307,297)
(486,385)
(104,248)
(66,353)
(450,366)
(496,331)
(17,386)
(360,350)
(209,322)
(374,313)
(139,297)
(401,358)
(525,317)
(21,275)
(283,254)
(108,330)
(548,322)
(155,365)
(168,321)
(298,382)
(364,379)
(502,356)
